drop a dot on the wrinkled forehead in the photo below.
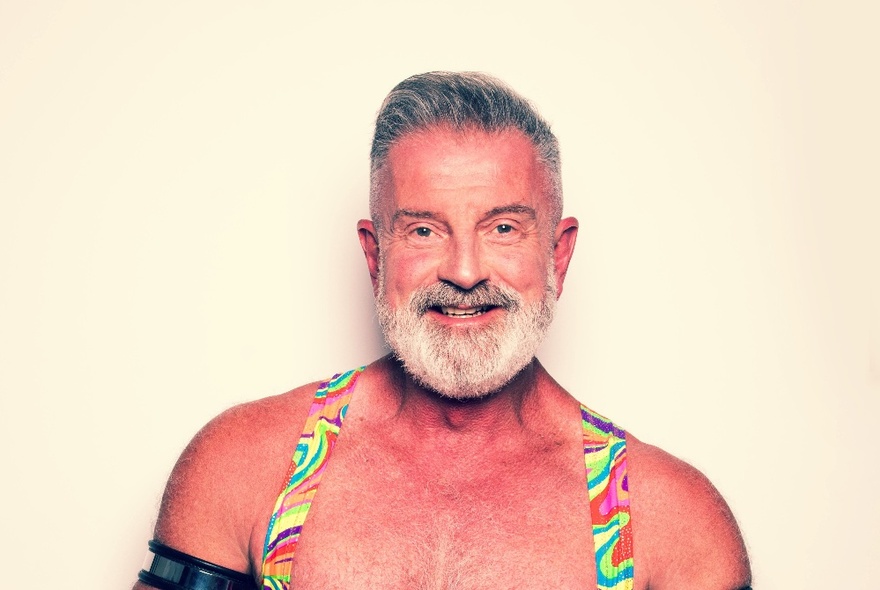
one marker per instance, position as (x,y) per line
(483,166)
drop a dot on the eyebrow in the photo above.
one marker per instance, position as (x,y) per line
(516,209)
(505,209)
(411,213)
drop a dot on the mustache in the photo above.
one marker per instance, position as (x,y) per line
(449,295)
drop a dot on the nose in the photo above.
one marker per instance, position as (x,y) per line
(463,264)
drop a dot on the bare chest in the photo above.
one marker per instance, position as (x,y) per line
(381,521)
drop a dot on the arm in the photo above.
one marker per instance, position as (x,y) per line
(218,500)
(684,534)
(195,516)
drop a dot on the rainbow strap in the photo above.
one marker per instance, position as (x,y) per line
(306,469)
(605,460)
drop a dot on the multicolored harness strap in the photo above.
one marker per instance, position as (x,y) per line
(605,460)
(306,469)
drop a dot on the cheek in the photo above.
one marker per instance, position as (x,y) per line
(524,271)
(403,272)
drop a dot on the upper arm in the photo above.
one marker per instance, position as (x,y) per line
(202,512)
(221,492)
(684,534)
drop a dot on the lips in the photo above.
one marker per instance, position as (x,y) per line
(453,302)
(463,312)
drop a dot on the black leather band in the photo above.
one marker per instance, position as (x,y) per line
(169,569)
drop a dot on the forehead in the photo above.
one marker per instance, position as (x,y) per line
(471,168)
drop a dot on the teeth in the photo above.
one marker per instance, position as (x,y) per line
(458,312)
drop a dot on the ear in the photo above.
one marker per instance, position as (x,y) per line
(563,249)
(370,246)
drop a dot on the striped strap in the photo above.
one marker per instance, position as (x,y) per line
(306,469)
(605,460)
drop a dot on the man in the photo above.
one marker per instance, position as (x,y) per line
(462,463)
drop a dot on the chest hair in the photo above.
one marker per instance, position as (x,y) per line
(510,521)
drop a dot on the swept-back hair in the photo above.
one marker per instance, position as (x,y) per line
(463,101)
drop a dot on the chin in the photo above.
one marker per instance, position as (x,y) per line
(460,385)
(466,358)
(472,363)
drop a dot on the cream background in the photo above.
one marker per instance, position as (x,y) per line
(179,184)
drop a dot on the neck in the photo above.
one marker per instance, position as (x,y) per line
(433,414)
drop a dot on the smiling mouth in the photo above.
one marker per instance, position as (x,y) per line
(463,312)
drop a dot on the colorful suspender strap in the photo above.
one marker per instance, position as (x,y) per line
(306,469)
(605,460)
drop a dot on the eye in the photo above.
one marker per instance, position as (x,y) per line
(423,232)
(504,228)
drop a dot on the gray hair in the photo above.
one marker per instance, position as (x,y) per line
(464,101)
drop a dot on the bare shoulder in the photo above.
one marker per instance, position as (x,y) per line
(221,492)
(684,534)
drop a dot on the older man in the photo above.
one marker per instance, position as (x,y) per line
(461,463)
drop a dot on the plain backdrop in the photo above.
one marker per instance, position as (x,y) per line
(180,182)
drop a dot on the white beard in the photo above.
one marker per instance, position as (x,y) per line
(459,362)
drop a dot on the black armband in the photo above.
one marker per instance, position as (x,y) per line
(169,569)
